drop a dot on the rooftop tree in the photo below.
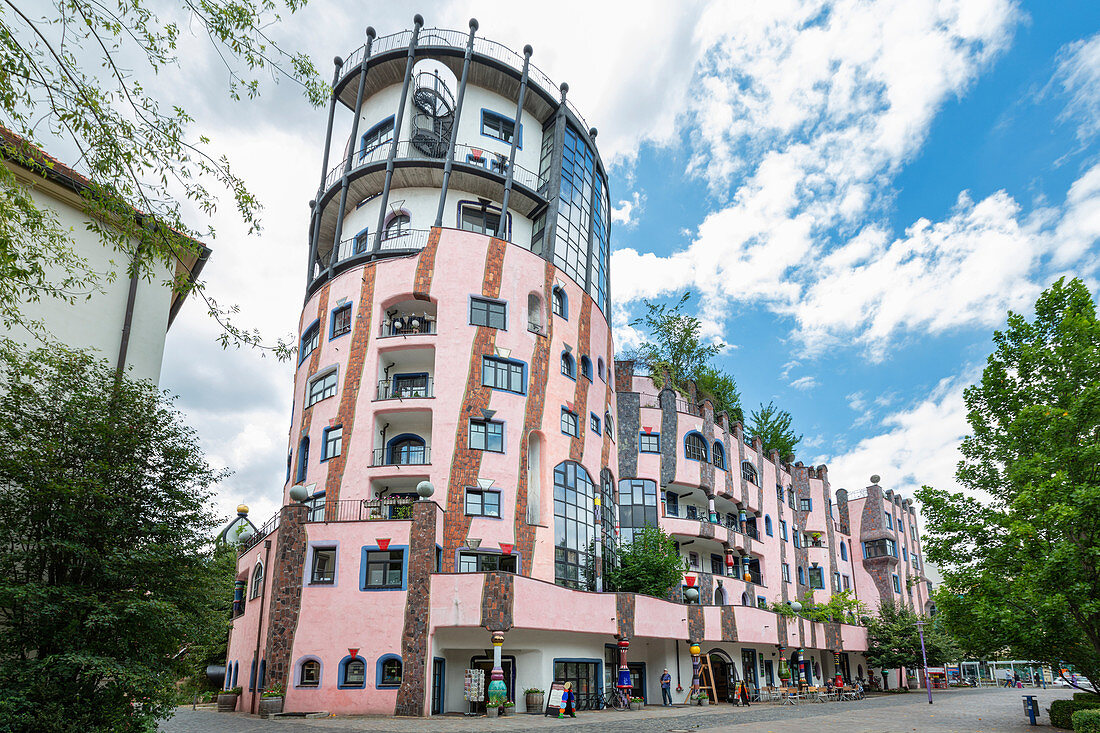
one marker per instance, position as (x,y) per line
(773,426)
(1019,549)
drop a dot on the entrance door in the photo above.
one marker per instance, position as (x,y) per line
(748,666)
(769,673)
(507,664)
(724,682)
(637,679)
(438,666)
(585,679)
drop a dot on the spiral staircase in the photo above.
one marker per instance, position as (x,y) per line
(433,115)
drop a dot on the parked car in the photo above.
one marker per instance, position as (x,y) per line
(1064,682)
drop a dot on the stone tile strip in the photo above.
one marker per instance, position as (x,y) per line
(624,614)
(414,638)
(286,592)
(497,601)
(580,390)
(425,266)
(697,624)
(729,624)
(314,361)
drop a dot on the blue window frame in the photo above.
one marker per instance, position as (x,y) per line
(379,134)
(586,368)
(568,367)
(340,321)
(649,442)
(801,575)
(332,442)
(897,583)
(388,671)
(560,302)
(594,423)
(806,505)
(352,673)
(407,449)
(509,375)
(767,525)
(748,472)
(672,504)
(486,435)
(843,551)
(719,455)
(889,521)
(361,242)
(695,447)
(308,343)
(500,127)
(570,424)
(381,570)
(303,460)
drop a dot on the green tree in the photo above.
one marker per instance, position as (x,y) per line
(722,390)
(650,564)
(773,426)
(106,568)
(893,639)
(212,639)
(676,347)
(1020,551)
(81,65)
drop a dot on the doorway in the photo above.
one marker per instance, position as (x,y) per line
(438,668)
(769,673)
(725,676)
(748,667)
(508,664)
(637,679)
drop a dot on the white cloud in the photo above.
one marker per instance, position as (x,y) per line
(629,210)
(1079,76)
(804,384)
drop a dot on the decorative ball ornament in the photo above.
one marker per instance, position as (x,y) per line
(691,594)
(298,493)
(694,649)
(875,478)
(747,576)
(425,489)
(398,323)
(242,509)
(414,323)
(796,606)
(497,638)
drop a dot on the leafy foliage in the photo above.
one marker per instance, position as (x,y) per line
(136,149)
(773,426)
(893,639)
(1063,712)
(1020,553)
(650,564)
(106,573)
(722,390)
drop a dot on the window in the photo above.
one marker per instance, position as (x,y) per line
(500,127)
(487,435)
(768,525)
(801,576)
(482,503)
(716,566)
(408,386)
(805,505)
(594,423)
(482,220)
(695,447)
(779,493)
(790,497)
(397,226)
(897,583)
(567,366)
(503,374)
(407,450)
(797,539)
(599,367)
(845,582)
(384,569)
(748,472)
(783,530)
(323,571)
(880,548)
(309,673)
(316,507)
(485,562)
(389,671)
(692,511)
(608,424)
(569,423)
(693,560)
(916,561)
(899,525)
(560,303)
(309,342)
(843,550)
(257,581)
(353,673)
(889,521)
(534,313)
(361,243)
(785,570)
(332,443)
(489,313)
(303,460)
(341,321)
(904,554)
(649,442)
(586,368)
(321,388)
(719,455)
(836,582)
(672,504)
(913,531)
(575,525)
(378,135)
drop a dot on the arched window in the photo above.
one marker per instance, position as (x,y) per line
(560,302)
(574,524)
(586,368)
(534,313)
(599,367)
(767,525)
(303,460)
(695,447)
(236,672)
(397,226)
(406,449)
(257,580)
(252,676)
(352,673)
(568,368)
(843,551)
(719,455)
(608,424)
(748,472)
(309,672)
(745,600)
(388,671)
(263,674)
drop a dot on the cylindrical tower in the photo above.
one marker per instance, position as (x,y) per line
(455,331)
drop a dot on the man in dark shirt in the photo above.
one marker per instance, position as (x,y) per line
(666,691)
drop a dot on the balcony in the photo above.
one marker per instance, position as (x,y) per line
(402,454)
(361,510)
(409,318)
(406,388)
(353,250)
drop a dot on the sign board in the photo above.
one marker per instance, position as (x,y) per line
(937,670)
(553,698)
(473,683)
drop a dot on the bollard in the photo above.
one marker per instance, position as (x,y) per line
(1031,708)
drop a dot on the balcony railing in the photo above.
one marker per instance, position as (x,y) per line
(454,39)
(424,325)
(420,389)
(408,240)
(685,406)
(364,510)
(408,456)
(268,527)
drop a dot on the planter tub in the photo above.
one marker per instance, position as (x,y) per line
(509,710)
(637,705)
(492,711)
(534,703)
(270,706)
(227,702)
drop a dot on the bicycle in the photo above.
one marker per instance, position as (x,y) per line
(617,700)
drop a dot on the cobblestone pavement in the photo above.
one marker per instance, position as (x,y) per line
(955,711)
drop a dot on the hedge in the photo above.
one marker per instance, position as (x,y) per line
(1086,721)
(1061,711)
(1086,696)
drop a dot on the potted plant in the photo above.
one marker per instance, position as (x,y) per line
(636,703)
(509,708)
(271,701)
(492,710)
(533,699)
(227,700)
(701,699)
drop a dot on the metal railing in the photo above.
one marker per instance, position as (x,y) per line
(408,456)
(408,240)
(361,510)
(268,527)
(684,406)
(425,325)
(388,389)
(456,40)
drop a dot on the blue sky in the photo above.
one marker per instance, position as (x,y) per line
(855,191)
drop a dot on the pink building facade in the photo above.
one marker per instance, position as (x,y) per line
(465,456)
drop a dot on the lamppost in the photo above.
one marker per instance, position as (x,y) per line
(927,679)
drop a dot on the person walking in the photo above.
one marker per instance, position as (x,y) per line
(568,702)
(666,688)
(1008,678)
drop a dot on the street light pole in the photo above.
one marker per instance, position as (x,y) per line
(927,679)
